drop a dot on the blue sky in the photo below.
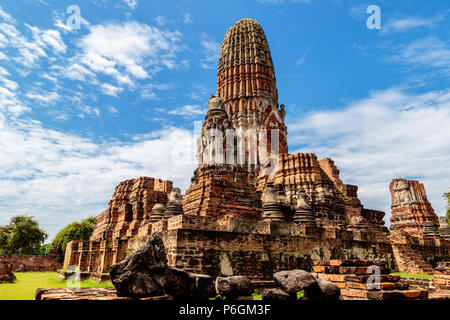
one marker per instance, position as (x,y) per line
(81,110)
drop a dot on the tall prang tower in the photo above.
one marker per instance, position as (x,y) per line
(246,101)
(247,84)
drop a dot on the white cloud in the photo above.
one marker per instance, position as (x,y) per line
(301,60)
(27,52)
(75,71)
(59,177)
(9,84)
(429,52)
(48,77)
(406,24)
(187,18)
(10,104)
(47,38)
(45,98)
(112,110)
(149,91)
(126,50)
(200,92)
(389,134)
(188,110)
(110,90)
(64,26)
(6,17)
(131,3)
(3,41)
(89,111)
(160,20)
(211,51)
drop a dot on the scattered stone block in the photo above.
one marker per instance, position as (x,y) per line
(233,287)
(275,294)
(88,294)
(294,281)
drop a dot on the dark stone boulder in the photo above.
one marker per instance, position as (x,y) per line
(330,290)
(145,273)
(275,294)
(326,290)
(233,287)
(297,280)
(177,283)
(203,286)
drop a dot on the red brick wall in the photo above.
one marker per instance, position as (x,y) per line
(31,262)
(258,256)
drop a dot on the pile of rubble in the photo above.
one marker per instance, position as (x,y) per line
(6,274)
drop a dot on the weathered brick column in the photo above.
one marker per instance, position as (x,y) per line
(94,252)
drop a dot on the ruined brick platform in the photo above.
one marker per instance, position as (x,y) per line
(353,277)
(86,294)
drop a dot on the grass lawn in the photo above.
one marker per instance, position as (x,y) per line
(257,294)
(413,275)
(26,284)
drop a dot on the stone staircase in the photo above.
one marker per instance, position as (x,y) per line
(410,261)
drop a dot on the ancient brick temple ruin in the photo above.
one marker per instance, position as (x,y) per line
(253,214)
(418,240)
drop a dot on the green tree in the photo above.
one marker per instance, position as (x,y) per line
(23,236)
(447,196)
(74,231)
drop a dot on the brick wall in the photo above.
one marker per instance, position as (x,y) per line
(418,283)
(415,255)
(31,262)
(442,283)
(258,256)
